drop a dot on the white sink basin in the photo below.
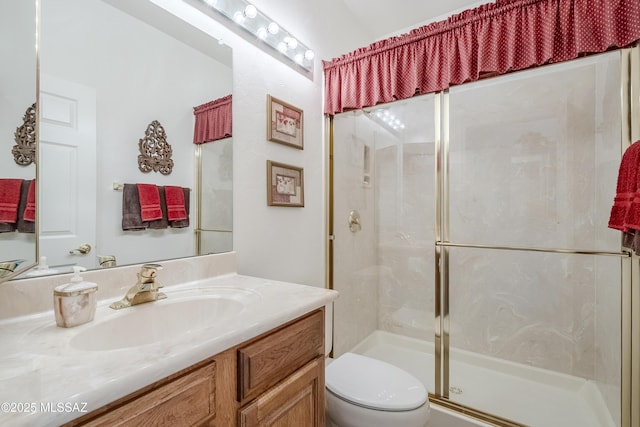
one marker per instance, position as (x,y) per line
(157,321)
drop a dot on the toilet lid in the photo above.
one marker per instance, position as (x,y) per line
(375,384)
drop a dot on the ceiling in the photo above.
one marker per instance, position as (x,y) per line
(383,18)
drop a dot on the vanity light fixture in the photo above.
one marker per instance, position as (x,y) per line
(268,33)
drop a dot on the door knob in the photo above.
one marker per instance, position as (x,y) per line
(83,249)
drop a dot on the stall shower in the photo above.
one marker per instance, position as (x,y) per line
(481,261)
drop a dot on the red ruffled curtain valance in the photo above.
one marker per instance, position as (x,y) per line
(213,120)
(494,38)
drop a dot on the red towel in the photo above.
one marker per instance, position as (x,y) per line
(176,209)
(624,216)
(9,199)
(150,209)
(30,210)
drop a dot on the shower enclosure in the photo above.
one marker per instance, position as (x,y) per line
(481,261)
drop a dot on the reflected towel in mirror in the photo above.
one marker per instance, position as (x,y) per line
(30,209)
(162,222)
(149,202)
(183,223)
(26,220)
(175,203)
(131,219)
(9,199)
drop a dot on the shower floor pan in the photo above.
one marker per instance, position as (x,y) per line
(530,396)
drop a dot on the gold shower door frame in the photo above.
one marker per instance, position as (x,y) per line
(630,263)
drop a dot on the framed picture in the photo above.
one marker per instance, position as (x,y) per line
(285,185)
(284,123)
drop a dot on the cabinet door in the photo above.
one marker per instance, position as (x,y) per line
(265,362)
(186,401)
(297,401)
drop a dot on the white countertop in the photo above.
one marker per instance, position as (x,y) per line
(45,381)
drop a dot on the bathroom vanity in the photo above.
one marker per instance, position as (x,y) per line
(222,350)
(277,377)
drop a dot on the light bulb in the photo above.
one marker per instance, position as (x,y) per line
(211,2)
(273,28)
(250,11)
(309,54)
(291,43)
(261,33)
(282,47)
(299,58)
(238,17)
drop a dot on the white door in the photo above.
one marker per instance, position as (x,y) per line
(67,176)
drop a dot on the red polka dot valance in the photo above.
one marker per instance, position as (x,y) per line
(495,38)
(213,120)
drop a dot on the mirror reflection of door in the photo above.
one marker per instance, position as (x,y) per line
(68,172)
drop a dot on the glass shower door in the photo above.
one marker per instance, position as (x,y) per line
(534,274)
(384,173)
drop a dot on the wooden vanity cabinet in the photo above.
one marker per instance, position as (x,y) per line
(281,376)
(276,379)
(297,401)
(201,395)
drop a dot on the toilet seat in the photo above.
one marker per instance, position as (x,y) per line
(374,384)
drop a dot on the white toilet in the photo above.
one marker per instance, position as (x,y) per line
(365,392)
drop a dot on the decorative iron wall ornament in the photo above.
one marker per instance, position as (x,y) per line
(155,151)
(24,152)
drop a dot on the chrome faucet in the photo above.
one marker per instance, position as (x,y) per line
(145,289)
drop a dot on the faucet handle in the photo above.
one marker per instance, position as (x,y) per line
(149,271)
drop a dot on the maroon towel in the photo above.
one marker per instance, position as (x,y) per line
(622,217)
(632,214)
(24,226)
(30,210)
(149,202)
(176,209)
(9,199)
(162,222)
(183,223)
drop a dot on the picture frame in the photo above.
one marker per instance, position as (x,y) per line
(285,185)
(285,123)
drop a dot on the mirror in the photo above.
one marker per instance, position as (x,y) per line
(108,69)
(17,94)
